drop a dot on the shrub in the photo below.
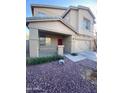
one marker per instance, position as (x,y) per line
(93,75)
(74,54)
(41,60)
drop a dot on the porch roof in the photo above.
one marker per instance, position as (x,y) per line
(49,19)
(45,33)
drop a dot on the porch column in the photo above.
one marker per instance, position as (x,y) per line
(34,43)
(72,44)
(60,50)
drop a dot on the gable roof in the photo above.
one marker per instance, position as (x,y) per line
(76,8)
(41,19)
(63,8)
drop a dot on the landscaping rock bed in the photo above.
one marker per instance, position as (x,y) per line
(56,78)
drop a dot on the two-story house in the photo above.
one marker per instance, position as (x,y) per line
(53,26)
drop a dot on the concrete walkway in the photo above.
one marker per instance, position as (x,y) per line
(89,55)
(82,55)
(77,58)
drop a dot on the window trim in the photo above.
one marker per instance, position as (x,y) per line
(87,26)
(45,43)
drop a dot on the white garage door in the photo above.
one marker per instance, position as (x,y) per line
(83,45)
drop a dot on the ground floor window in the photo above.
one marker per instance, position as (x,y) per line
(45,41)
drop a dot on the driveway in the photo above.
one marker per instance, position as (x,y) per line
(83,55)
(89,55)
(65,78)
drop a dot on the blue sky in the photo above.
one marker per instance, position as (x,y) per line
(89,3)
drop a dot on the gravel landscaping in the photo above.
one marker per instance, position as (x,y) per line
(61,78)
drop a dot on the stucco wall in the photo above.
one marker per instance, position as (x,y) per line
(53,26)
(49,11)
(81,43)
(72,18)
(67,44)
(84,14)
(67,18)
(33,43)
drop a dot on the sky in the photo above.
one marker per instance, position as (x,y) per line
(65,3)
(89,3)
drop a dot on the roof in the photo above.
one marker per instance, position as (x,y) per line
(41,19)
(63,8)
(47,6)
(79,7)
(56,18)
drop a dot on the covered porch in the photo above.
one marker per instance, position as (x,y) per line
(49,42)
(46,36)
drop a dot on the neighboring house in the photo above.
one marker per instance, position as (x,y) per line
(53,26)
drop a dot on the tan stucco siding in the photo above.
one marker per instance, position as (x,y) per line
(49,11)
(53,26)
(67,44)
(81,43)
(67,18)
(33,43)
(72,18)
(84,14)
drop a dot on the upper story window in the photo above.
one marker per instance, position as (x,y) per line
(86,24)
(41,14)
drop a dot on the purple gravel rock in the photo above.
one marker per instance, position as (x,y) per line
(55,78)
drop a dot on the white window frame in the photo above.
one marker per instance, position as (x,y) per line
(43,41)
(86,24)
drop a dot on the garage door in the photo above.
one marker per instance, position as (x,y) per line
(83,45)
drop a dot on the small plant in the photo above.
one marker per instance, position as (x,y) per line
(93,75)
(74,54)
(41,60)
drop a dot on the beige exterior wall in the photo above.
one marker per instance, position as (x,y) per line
(33,43)
(49,11)
(53,26)
(81,43)
(84,14)
(67,44)
(72,18)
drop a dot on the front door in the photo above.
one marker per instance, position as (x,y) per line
(60,41)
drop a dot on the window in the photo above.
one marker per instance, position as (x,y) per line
(40,14)
(48,41)
(86,24)
(42,41)
(45,41)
